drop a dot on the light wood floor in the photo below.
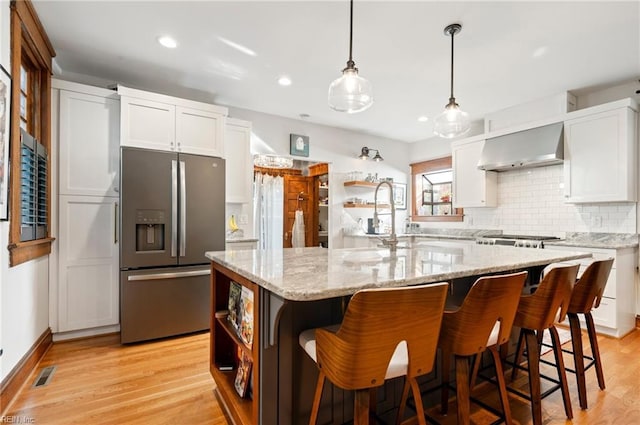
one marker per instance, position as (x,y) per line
(99,381)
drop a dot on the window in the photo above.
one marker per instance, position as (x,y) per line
(31,55)
(432,197)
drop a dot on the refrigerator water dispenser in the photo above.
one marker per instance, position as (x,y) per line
(150,230)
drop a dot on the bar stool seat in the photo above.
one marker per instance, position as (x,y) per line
(482,322)
(385,333)
(536,313)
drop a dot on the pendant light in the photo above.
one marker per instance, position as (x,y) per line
(350,93)
(452,121)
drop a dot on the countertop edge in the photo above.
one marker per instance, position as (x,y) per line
(311,296)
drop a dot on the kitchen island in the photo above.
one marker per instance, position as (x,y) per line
(300,288)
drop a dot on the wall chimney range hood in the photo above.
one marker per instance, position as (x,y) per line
(535,147)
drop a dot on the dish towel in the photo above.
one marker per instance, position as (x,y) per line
(297,234)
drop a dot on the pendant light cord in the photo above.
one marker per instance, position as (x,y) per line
(452,32)
(350,63)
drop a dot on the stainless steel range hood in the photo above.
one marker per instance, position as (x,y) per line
(528,148)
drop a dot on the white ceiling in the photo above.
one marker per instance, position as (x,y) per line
(507,53)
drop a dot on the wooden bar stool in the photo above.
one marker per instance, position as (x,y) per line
(483,321)
(536,313)
(385,333)
(586,295)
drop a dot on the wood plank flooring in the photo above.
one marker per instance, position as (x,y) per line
(99,381)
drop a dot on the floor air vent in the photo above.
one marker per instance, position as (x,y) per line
(45,376)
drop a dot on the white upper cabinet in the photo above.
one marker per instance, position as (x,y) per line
(239,163)
(199,132)
(148,124)
(600,154)
(89,142)
(155,121)
(472,187)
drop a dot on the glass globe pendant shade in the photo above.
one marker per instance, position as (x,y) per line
(350,93)
(452,121)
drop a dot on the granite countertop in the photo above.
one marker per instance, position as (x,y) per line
(598,240)
(241,240)
(464,234)
(304,274)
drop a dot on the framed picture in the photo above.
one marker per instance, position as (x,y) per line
(299,145)
(5,107)
(400,195)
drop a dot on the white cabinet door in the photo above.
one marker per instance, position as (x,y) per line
(239,164)
(199,132)
(88,294)
(600,157)
(147,124)
(472,187)
(89,144)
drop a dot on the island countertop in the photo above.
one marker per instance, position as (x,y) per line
(306,274)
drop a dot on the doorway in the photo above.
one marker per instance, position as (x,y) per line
(305,196)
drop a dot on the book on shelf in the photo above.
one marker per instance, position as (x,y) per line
(241,311)
(243,376)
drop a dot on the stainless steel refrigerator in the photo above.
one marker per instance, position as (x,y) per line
(172,211)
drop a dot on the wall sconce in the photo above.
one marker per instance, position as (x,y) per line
(364,154)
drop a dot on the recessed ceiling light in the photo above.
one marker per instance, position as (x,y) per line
(423,118)
(284,81)
(168,42)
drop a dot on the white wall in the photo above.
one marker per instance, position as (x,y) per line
(24,288)
(340,148)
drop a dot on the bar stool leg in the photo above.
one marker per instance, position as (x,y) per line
(593,339)
(316,399)
(444,391)
(415,389)
(518,355)
(477,361)
(361,407)
(533,362)
(502,386)
(562,375)
(578,359)
(403,400)
(462,391)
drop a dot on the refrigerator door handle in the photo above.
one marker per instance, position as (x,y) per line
(183,209)
(159,276)
(174,207)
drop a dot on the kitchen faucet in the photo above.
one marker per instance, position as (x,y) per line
(392,242)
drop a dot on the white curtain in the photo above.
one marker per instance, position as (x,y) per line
(268,205)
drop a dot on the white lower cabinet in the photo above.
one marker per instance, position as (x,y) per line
(616,314)
(88,294)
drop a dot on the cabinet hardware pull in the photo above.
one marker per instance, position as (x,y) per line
(115,223)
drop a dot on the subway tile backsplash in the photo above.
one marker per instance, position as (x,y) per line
(531,201)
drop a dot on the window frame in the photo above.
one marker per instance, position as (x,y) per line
(29,44)
(430,166)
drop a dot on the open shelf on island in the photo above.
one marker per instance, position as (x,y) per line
(225,385)
(224,323)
